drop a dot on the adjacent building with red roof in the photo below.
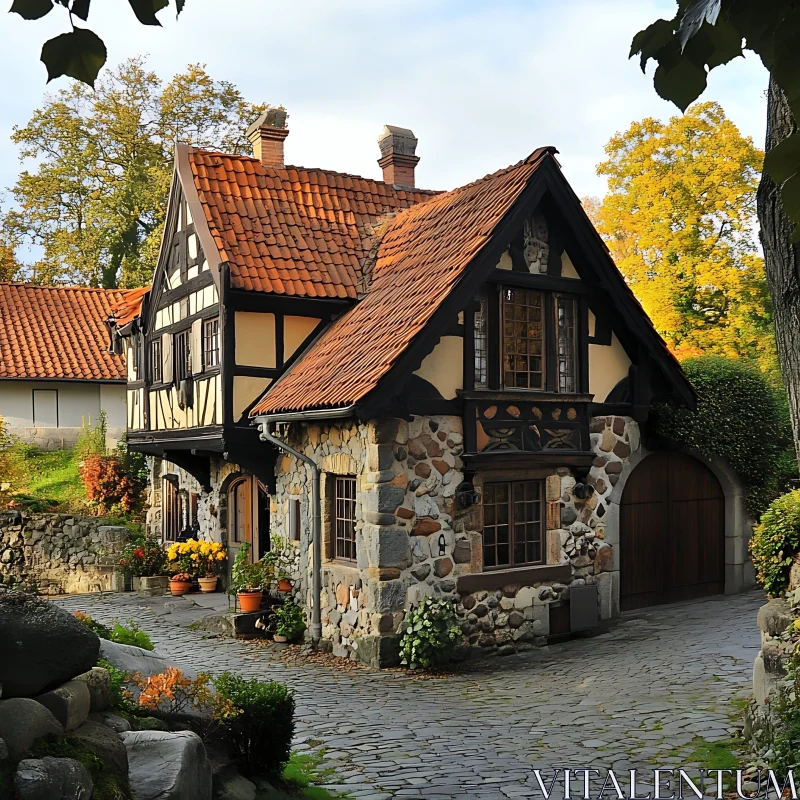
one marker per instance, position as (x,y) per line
(409,393)
(56,371)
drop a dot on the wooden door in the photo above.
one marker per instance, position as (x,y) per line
(672,532)
(240,516)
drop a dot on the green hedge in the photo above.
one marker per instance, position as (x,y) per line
(775,542)
(741,418)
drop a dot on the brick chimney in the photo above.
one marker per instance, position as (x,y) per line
(267,134)
(397,161)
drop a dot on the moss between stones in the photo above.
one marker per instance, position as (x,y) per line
(107,785)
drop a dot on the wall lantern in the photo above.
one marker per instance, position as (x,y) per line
(442,545)
(467,495)
(583,491)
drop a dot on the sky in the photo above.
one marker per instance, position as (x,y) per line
(481,84)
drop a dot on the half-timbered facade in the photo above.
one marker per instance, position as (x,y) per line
(465,373)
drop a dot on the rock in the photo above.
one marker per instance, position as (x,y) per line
(68,703)
(462,552)
(167,766)
(442,567)
(135,659)
(52,779)
(98,681)
(110,720)
(22,722)
(150,724)
(4,754)
(105,743)
(230,785)
(43,646)
(775,617)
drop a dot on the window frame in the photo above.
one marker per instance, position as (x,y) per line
(210,343)
(181,368)
(341,523)
(156,361)
(539,540)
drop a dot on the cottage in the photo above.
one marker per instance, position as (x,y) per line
(419,393)
(56,374)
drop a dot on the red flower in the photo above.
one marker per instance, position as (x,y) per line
(138,552)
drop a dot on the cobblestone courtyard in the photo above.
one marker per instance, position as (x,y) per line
(636,695)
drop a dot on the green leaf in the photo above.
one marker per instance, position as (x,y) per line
(80,8)
(179,4)
(696,14)
(31,9)
(79,54)
(649,41)
(145,10)
(682,82)
(783,160)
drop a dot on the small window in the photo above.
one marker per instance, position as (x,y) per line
(171,521)
(155,362)
(566,312)
(182,368)
(345,518)
(523,339)
(512,524)
(481,347)
(210,343)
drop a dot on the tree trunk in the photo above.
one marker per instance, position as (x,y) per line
(782,260)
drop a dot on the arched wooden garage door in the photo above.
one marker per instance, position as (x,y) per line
(672,532)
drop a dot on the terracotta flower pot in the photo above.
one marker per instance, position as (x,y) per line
(208,584)
(284,585)
(179,587)
(250,601)
(279,638)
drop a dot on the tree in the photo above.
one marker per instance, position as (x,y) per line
(706,34)
(81,53)
(679,220)
(94,205)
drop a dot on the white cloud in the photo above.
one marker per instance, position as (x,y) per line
(481,84)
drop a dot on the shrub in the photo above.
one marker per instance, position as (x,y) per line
(121,698)
(108,482)
(92,624)
(260,735)
(130,634)
(739,417)
(290,619)
(775,542)
(92,439)
(431,634)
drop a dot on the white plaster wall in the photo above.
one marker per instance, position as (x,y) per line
(444,366)
(608,365)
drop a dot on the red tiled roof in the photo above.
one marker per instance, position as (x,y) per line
(129,307)
(422,254)
(291,230)
(57,332)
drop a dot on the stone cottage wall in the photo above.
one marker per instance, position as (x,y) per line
(413,538)
(57,553)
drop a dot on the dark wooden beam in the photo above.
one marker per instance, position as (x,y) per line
(198,465)
(514,459)
(323,308)
(521,576)
(539,282)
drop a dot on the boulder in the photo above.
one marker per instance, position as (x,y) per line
(775,617)
(98,682)
(111,720)
(42,645)
(22,722)
(52,779)
(230,785)
(69,703)
(167,766)
(105,743)
(135,659)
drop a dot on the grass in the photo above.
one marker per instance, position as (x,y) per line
(44,480)
(299,775)
(713,755)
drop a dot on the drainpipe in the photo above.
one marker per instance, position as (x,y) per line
(316,538)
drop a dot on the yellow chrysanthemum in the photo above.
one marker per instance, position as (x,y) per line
(195,557)
(172,555)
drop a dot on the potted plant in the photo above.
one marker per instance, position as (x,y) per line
(212,554)
(290,621)
(143,559)
(280,564)
(247,580)
(180,583)
(183,564)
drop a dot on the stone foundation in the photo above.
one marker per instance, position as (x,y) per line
(57,553)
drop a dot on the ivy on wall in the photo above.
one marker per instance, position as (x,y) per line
(741,418)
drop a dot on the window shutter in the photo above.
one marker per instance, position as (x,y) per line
(196,347)
(293,526)
(166,357)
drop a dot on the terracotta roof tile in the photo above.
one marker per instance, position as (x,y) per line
(300,214)
(57,332)
(422,254)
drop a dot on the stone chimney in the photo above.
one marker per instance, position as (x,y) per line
(397,161)
(267,134)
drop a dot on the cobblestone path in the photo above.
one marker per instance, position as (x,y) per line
(634,696)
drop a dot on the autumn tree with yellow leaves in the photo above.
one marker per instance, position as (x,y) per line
(680,221)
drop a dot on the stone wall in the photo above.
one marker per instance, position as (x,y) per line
(415,539)
(61,438)
(58,553)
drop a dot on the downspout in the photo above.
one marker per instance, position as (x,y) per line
(316,538)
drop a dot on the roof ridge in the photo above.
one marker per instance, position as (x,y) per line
(71,288)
